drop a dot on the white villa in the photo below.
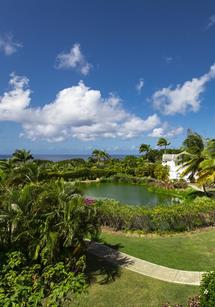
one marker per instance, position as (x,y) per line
(175,170)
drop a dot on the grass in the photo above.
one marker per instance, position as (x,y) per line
(193,251)
(112,287)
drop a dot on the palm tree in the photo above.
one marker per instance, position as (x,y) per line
(162,142)
(144,148)
(7,166)
(66,222)
(100,156)
(22,156)
(25,173)
(47,221)
(206,174)
(192,155)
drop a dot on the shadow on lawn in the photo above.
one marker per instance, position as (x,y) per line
(194,194)
(104,262)
(101,271)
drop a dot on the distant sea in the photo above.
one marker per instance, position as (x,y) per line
(60,157)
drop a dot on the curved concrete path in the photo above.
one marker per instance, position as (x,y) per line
(195,187)
(144,267)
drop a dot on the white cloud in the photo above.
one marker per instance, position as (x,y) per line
(185,97)
(15,101)
(8,45)
(140,85)
(74,59)
(166,131)
(211,22)
(168,59)
(76,112)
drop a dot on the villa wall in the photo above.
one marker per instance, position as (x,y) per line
(175,170)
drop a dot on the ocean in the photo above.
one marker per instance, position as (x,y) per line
(60,157)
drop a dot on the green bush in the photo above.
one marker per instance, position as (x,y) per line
(161,172)
(22,284)
(42,242)
(182,217)
(207,290)
(80,173)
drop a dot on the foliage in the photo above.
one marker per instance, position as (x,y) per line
(100,156)
(207,290)
(47,220)
(22,156)
(30,285)
(198,159)
(180,184)
(206,174)
(192,156)
(193,143)
(144,148)
(44,220)
(162,142)
(154,155)
(46,225)
(161,172)
(186,216)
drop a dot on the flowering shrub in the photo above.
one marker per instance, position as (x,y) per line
(89,201)
(207,290)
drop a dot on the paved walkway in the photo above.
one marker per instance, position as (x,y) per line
(144,267)
(195,187)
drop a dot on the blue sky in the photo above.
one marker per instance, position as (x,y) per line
(78,75)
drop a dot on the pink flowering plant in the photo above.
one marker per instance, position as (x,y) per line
(89,201)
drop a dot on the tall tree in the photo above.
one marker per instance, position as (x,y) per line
(22,156)
(192,155)
(206,174)
(144,148)
(162,142)
(100,156)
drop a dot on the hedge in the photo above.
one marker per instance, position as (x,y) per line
(182,217)
(80,173)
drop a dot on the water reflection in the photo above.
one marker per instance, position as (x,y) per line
(131,194)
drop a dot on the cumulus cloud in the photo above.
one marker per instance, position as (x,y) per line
(166,131)
(8,45)
(16,100)
(185,97)
(74,59)
(211,22)
(140,85)
(76,112)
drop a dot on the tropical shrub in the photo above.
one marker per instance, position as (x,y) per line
(80,174)
(145,170)
(186,216)
(180,184)
(207,290)
(42,233)
(161,172)
(22,284)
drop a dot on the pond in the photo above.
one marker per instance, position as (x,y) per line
(131,194)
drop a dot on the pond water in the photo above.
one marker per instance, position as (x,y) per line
(131,194)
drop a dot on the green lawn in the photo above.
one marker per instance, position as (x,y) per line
(194,251)
(112,287)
